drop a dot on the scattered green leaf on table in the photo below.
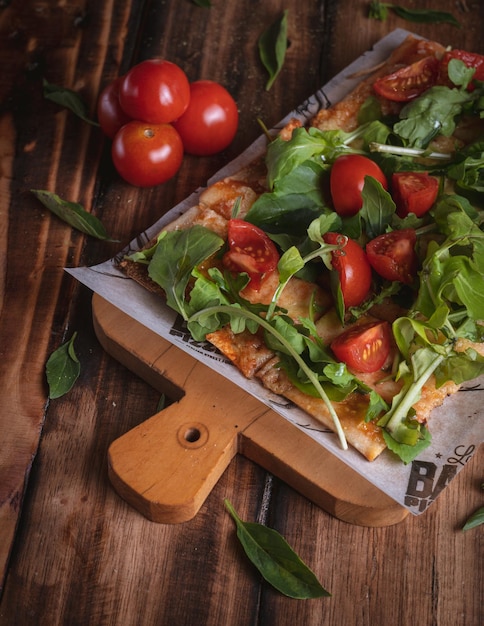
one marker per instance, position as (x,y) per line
(379,11)
(272,48)
(62,369)
(202,3)
(68,99)
(476,519)
(276,560)
(73,213)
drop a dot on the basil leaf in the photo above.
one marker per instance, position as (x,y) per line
(425,16)
(276,561)
(378,207)
(72,213)
(476,519)
(68,99)
(379,11)
(62,369)
(202,3)
(272,48)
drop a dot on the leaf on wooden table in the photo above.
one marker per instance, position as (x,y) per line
(62,369)
(68,99)
(272,48)
(73,213)
(276,560)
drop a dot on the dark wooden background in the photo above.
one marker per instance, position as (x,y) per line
(71,551)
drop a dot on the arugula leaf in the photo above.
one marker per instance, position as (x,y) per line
(407,453)
(431,114)
(62,369)
(452,270)
(174,259)
(272,46)
(68,99)
(296,201)
(276,560)
(73,214)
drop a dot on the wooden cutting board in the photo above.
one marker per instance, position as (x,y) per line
(166,466)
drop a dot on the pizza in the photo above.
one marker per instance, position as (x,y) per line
(345,269)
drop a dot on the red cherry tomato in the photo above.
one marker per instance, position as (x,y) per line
(414,192)
(110,115)
(155,91)
(410,81)
(353,269)
(347,179)
(250,251)
(364,347)
(392,255)
(210,122)
(147,154)
(470,59)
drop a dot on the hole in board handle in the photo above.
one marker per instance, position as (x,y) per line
(192,435)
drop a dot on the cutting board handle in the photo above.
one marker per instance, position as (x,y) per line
(166,466)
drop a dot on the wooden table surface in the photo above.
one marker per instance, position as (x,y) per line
(71,550)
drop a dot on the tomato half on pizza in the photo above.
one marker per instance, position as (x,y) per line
(345,270)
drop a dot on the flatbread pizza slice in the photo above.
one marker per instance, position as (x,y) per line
(315,303)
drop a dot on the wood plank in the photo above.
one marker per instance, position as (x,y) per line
(81,555)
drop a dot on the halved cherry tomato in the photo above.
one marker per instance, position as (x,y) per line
(470,59)
(250,251)
(364,347)
(414,192)
(410,81)
(347,179)
(147,154)
(392,255)
(110,115)
(353,269)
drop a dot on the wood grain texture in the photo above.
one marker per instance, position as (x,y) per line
(71,551)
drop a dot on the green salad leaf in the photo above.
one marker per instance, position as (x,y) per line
(68,99)
(276,560)
(379,11)
(62,369)
(475,520)
(73,214)
(272,48)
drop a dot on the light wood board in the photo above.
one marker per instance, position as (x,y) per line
(166,466)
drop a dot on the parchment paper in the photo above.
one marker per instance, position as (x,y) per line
(457,427)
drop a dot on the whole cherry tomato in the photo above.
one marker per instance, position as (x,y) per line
(110,115)
(410,81)
(364,347)
(414,192)
(210,122)
(155,91)
(392,255)
(250,251)
(347,179)
(147,154)
(352,267)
